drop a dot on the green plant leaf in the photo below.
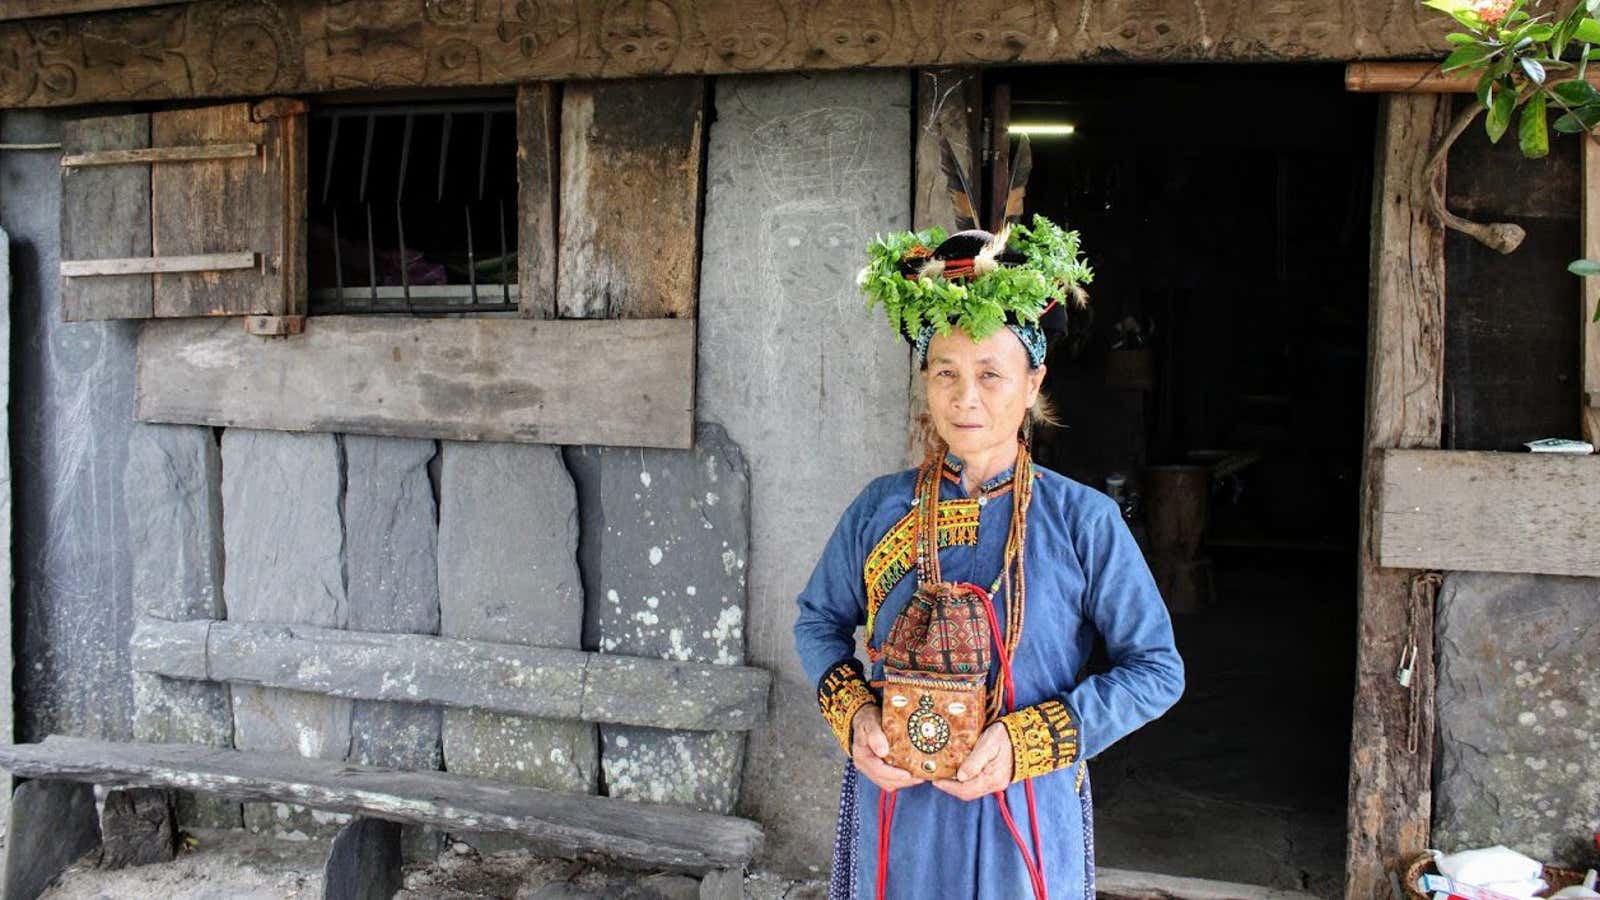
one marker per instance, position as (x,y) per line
(1460,39)
(1463,57)
(1584,267)
(1578,121)
(1533,135)
(1541,32)
(1533,70)
(1575,93)
(1447,6)
(1485,90)
(1587,32)
(1498,118)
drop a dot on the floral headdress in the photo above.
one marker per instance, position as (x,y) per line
(1025,277)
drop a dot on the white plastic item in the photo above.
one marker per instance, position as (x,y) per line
(1488,865)
(1584,890)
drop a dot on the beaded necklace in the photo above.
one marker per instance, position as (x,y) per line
(1012,578)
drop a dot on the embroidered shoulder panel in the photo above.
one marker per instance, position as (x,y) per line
(1044,738)
(896,554)
(841,693)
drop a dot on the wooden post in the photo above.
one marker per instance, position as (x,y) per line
(1589,294)
(1390,788)
(949,104)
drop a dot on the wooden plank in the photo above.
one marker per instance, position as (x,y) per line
(34,9)
(1119,884)
(630,199)
(307,46)
(466,674)
(1390,788)
(1490,512)
(1589,298)
(622,383)
(145,265)
(199,153)
(538,123)
(1415,78)
(220,206)
(106,213)
(564,822)
(949,105)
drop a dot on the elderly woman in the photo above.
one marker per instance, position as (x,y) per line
(979,532)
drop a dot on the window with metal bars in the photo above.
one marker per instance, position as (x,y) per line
(413,209)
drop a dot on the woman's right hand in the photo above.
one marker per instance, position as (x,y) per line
(869,750)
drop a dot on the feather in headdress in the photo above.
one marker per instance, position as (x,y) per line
(1021,167)
(955,179)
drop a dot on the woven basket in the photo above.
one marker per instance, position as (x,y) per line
(1423,865)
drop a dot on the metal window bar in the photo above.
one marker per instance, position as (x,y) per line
(410,298)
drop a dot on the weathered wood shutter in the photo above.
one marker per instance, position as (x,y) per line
(191,212)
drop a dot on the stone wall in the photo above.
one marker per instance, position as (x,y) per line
(1518,761)
(802,171)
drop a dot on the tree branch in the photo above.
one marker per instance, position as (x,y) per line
(1502,237)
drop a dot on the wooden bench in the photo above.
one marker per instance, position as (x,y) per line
(50,819)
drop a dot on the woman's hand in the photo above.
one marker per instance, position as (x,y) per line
(869,748)
(985,770)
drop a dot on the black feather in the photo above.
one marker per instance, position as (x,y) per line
(1021,167)
(955,179)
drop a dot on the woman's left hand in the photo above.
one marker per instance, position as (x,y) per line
(985,770)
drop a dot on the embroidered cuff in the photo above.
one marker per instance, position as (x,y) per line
(841,694)
(1044,738)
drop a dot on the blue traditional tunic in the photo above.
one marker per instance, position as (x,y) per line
(1085,577)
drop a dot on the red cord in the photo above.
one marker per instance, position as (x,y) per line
(1033,863)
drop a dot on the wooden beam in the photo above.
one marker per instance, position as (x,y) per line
(544,682)
(1589,298)
(105,214)
(628,383)
(309,46)
(630,199)
(34,9)
(146,265)
(1416,78)
(1490,512)
(1390,788)
(538,128)
(1119,884)
(567,823)
(199,153)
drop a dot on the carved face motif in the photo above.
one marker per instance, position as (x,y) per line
(18,66)
(994,30)
(850,32)
(745,37)
(245,56)
(1296,25)
(535,26)
(1147,26)
(639,36)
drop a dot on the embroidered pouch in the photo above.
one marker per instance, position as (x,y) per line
(936,667)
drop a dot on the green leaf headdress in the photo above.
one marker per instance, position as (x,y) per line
(1028,277)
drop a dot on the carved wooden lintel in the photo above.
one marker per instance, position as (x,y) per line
(221,48)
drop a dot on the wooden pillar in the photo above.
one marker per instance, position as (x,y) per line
(1589,293)
(949,104)
(1390,783)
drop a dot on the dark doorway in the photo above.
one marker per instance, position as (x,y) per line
(1226,213)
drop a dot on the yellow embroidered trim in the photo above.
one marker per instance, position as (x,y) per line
(841,694)
(896,553)
(1043,739)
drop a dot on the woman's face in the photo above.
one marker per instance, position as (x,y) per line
(979,391)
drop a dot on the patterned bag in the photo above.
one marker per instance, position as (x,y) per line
(936,667)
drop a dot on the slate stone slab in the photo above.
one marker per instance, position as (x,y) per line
(802,171)
(508,572)
(71,391)
(363,862)
(138,827)
(173,490)
(1519,715)
(665,539)
(51,824)
(282,535)
(391,546)
(7,723)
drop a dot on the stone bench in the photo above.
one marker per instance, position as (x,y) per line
(53,818)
